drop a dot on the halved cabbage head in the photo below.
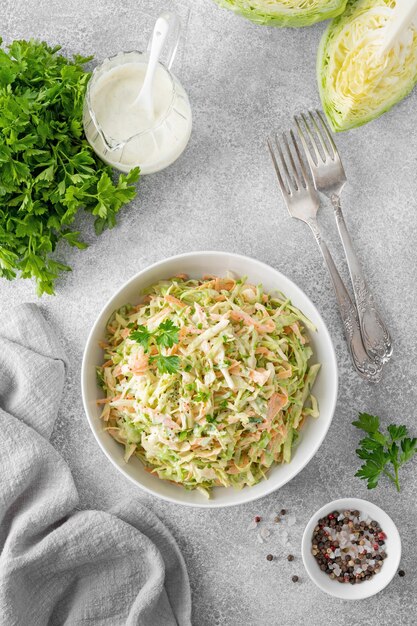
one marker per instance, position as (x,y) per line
(357,82)
(285,12)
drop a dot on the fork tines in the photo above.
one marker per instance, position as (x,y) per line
(314,126)
(285,154)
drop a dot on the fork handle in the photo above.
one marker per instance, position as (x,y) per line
(366,367)
(375,336)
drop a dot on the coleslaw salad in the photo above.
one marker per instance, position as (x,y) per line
(208,381)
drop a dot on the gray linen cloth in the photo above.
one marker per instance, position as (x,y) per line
(59,565)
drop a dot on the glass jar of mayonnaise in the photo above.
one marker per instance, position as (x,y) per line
(121,132)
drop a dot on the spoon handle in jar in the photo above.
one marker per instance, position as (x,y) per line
(145,97)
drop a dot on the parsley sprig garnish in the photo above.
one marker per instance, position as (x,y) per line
(165,335)
(383,454)
(48,170)
(166,364)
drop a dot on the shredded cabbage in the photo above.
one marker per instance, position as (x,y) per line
(285,12)
(357,81)
(240,391)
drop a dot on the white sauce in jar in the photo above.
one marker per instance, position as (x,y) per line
(154,142)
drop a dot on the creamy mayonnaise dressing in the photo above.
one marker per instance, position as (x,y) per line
(152,142)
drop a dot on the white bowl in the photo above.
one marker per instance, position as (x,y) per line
(196,264)
(378,582)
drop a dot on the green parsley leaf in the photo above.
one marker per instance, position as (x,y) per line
(408,448)
(383,455)
(364,454)
(369,444)
(167,334)
(370,472)
(142,336)
(368,423)
(397,432)
(167,364)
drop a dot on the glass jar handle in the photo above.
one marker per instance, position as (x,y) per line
(173,38)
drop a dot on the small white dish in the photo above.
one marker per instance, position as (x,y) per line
(377,583)
(196,264)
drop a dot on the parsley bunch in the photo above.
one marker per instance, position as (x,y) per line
(381,451)
(166,334)
(48,171)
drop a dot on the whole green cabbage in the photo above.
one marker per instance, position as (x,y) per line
(358,82)
(285,12)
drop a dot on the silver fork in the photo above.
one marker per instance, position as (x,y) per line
(329,177)
(303,202)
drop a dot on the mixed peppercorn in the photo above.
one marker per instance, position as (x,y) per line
(270,557)
(348,547)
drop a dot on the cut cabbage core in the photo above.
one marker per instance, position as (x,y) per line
(357,81)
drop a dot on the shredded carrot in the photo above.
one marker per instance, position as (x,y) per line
(106,400)
(174,300)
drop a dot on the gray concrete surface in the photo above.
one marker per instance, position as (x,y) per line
(244,81)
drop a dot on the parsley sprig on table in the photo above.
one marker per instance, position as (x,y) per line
(166,334)
(48,171)
(383,454)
